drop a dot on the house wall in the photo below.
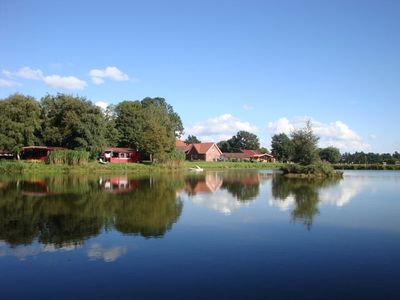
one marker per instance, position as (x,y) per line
(212,154)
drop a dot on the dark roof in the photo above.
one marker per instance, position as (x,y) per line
(43,147)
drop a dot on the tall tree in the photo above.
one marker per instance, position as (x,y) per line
(149,125)
(111,133)
(244,140)
(192,139)
(175,119)
(129,123)
(305,150)
(282,147)
(330,154)
(73,122)
(19,123)
(157,137)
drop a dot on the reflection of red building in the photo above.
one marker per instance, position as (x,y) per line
(119,184)
(37,152)
(208,184)
(121,155)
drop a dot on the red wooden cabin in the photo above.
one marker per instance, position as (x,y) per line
(120,155)
(37,152)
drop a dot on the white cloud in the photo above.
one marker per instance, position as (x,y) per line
(372,136)
(220,128)
(337,134)
(96,252)
(97,80)
(26,73)
(282,125)
(66,82)
(109,72)
(247,107)
(8,83)
(102,104)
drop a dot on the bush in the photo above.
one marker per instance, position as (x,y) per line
(174,159)
(315,170)
(68,157)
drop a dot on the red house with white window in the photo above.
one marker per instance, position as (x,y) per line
(117,155)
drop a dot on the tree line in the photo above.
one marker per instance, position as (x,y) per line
(292,148)
(149,125)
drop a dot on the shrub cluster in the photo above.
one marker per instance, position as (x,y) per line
(68,157)
(315,170)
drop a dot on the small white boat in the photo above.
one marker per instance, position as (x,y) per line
(197,169)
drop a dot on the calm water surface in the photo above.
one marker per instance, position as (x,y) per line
(218,235)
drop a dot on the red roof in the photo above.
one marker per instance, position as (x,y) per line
(116,149)
(246,153)
(250,153)
(202,148)
(181,145)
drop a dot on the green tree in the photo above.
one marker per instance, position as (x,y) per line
(157,136)
(73,122)
(129,123)
(149,125)
(175,119)
(330,154)
(224,146)
(244,140)
(305,150)
(282,147)
(19,123)
(111,134)
(264,150)
(192,139)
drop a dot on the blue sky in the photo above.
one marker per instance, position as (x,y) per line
(261,66)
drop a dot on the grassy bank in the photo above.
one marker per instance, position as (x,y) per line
(94,167)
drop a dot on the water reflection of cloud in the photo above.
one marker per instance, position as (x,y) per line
(341,194)
(24,251)
(97,252)
(283,205)
(220,201)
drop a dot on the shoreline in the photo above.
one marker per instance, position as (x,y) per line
(94,167)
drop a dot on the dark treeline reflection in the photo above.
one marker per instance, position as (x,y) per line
(65,210)
(305,193)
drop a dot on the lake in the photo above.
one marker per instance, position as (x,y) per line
(217,235)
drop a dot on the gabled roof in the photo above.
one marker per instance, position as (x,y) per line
(202,148)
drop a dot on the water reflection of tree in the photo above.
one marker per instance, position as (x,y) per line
(305,193)
(244,186)
(70,210)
